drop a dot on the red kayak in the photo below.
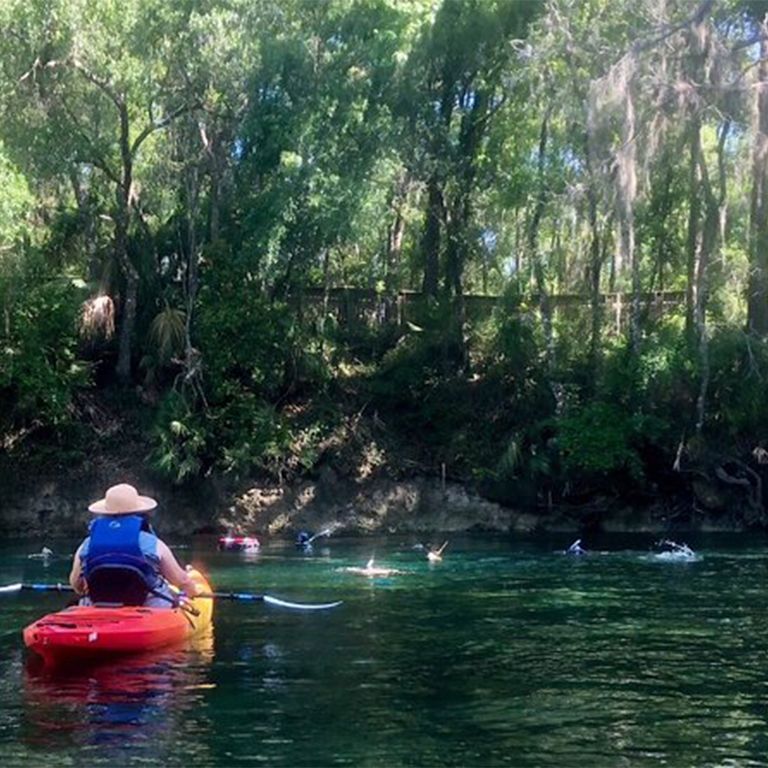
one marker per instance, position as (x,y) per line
(87,633)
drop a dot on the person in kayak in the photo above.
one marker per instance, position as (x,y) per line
(122,560)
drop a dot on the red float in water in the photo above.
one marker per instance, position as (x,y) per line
(239,543)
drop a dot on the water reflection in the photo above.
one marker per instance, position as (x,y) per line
(133,707)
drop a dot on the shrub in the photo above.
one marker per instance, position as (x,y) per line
(39,365)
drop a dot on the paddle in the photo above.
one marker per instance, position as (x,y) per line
(241,596)
(326,532)
(249,597)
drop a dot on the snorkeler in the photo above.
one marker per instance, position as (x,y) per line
(576,549)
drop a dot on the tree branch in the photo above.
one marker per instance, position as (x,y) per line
(696,18)
(158,125)
(101,83)
(98,160)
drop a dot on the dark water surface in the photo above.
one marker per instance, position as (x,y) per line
(505,653)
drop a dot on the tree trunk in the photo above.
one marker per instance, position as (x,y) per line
(627,188)
(545,305)
(129,302)
(394,246)
(87,221)
(518,257)
(692,240)
(192,197)
(123,193)
(710,237)
(758,225)
(430,241)
(595,268)
(326,295)
(214,148)
(395,236)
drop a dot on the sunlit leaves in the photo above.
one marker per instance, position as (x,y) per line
(16,203)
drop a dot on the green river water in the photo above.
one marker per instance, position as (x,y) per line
(505,653)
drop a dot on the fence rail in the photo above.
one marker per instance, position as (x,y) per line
(366,307)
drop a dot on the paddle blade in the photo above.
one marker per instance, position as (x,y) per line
(300,606)
(11,588)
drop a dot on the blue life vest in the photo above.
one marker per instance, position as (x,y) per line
(119,560)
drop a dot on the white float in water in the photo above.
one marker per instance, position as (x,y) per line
(675,551)
(372,570)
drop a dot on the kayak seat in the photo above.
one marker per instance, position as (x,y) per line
(117,584)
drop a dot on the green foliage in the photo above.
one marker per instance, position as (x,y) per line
(248,340)
(739,371)
(507,344)
(40,369)
(313,141)
(181,449)
(251,435)
(609,431)
(238,158)
(240,435)
(597,443)
(416,363)
(659,383)
(254,352)
(15,205)
(464,421)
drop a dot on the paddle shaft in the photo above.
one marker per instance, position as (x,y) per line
(210,595)
(240,596)
(47,587)
(245,596)
(59,587)
(269,599)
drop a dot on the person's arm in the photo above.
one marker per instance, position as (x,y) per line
(172,571)
(76,579)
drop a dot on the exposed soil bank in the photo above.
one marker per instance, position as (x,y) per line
(57,506)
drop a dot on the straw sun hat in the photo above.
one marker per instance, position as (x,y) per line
(122,499)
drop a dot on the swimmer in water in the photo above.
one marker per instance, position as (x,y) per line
(305,538)
(682,551)
(44,554)
(436,555)
(576,549)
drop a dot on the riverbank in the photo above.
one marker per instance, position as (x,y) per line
(365,479)
(56,504)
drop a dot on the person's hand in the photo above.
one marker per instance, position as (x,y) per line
(80,588)
(191,587)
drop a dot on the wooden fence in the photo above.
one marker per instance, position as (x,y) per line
(366,308)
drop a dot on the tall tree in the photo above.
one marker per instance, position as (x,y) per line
(757,317)
(98,73)
(456,85)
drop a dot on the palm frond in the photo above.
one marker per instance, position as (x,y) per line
(167,332)
(97,318)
